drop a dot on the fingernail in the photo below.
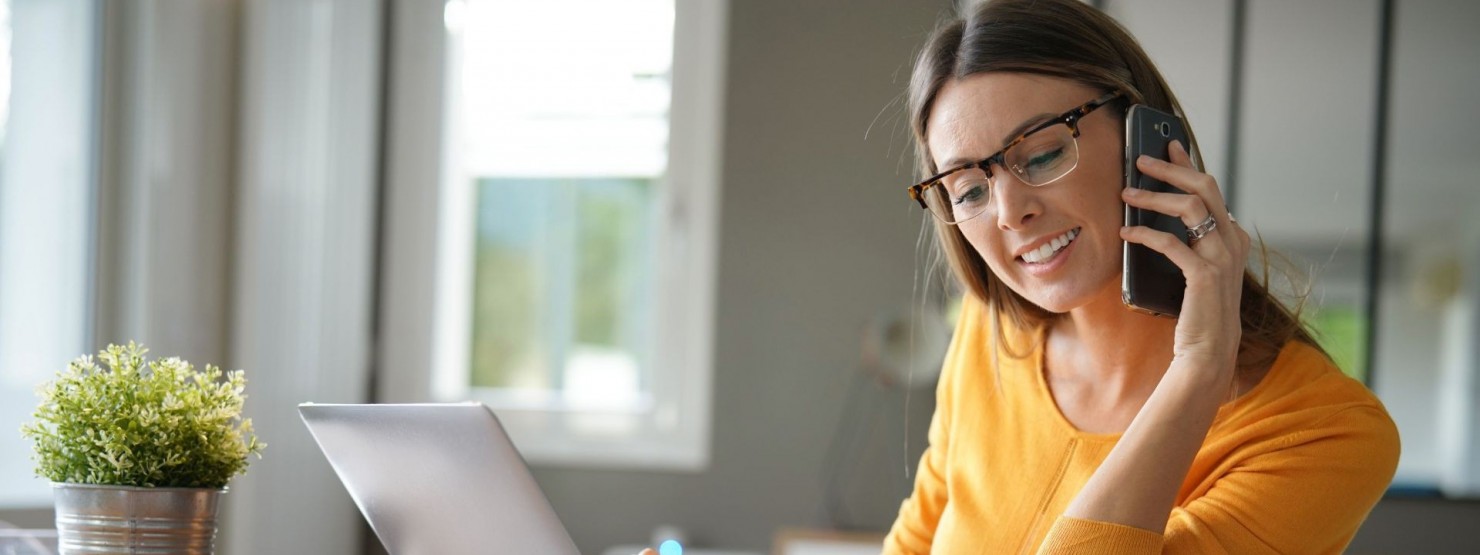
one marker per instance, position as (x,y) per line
(1131,191)
(1146,159)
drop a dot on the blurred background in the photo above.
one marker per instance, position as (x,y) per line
(667,240)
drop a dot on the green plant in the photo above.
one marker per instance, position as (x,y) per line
(130,422)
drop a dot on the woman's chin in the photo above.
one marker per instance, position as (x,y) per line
(1062,300)
(1057,307)
(1057,304)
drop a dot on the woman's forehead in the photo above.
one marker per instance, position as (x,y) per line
(973,117)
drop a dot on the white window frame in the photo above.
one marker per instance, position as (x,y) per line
(426,293)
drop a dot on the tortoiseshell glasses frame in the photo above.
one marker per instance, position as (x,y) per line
(1070,119)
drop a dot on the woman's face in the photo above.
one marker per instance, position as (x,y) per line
(973,118)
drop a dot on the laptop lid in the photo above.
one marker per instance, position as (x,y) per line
(437,478)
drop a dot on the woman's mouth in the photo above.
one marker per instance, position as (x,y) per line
(1050,251)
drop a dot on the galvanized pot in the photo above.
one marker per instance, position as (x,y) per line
(135,521)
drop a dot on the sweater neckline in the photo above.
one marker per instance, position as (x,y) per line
(1040,383)
(1045,398)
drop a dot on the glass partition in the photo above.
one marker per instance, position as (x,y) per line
(1427,366)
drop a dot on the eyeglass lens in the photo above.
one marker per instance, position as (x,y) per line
(1039,159)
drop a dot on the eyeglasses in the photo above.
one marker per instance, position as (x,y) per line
(1039,156)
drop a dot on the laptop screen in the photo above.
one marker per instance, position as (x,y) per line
(437,478)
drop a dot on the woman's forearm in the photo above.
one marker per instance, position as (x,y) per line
(1137,483)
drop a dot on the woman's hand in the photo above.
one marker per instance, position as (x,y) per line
(1208,329)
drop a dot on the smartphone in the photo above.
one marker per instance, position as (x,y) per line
(1150,282)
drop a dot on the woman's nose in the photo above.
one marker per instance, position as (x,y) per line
(1017,202)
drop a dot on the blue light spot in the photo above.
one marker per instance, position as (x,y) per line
(670,547)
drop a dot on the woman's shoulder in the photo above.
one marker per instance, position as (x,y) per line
(977,323)
(1302,368)
(1307,409)
(1305,391)
(976,348)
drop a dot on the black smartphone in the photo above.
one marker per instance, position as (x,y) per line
(1150,282)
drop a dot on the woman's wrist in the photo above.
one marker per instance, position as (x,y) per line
(1200,370)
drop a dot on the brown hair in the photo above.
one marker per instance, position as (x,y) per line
(1070,40)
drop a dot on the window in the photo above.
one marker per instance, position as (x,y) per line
(563,137)
(562,286)
(577,227)
(47,123)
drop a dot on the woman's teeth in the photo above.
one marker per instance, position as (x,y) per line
(1045,252)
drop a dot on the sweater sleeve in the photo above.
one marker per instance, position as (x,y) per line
(914,529)
(1308,494)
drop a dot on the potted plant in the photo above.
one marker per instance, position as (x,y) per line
(139,451)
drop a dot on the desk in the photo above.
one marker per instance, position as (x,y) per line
(797,541)
(14,541)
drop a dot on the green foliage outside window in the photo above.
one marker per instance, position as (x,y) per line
(560,262)
(1342,330)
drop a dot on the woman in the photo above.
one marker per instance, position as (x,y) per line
(1066,422)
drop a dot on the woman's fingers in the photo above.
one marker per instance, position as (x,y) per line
(1203,190)
(1184,207)
(1181,176)
(1188,208)
(1177,154)
(1217,205)
(1182,255)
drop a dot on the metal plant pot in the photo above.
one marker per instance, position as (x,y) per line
(135,521)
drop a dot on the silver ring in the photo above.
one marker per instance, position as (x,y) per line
(1202,229)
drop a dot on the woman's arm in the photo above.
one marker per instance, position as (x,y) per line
(1137,483)
(914,529)
(1303,491)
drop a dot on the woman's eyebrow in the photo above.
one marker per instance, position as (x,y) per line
(1019,130)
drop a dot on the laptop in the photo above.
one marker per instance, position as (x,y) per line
(437,478)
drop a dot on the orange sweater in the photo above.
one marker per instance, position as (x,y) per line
(1293,466)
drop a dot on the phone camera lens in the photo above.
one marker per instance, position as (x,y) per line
(1165,128)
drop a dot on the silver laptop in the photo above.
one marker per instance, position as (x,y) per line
(437,478)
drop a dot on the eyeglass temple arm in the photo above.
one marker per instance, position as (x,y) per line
(1084,109)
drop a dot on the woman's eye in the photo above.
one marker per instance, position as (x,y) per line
(1045,159)
(972,194)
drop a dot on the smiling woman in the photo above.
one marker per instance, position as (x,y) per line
(1103,429)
